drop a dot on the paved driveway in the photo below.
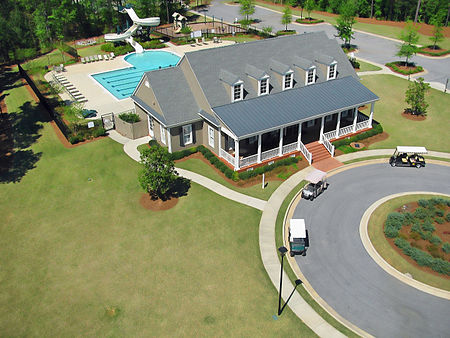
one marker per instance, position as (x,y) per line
(370,47)
(345,276)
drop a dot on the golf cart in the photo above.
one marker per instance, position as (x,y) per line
(298,237)
(408,157)
(318,183)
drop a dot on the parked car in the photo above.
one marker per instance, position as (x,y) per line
(298,237)
(405,156)
(318,183)
(86,113)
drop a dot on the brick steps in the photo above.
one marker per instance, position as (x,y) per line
(318,151)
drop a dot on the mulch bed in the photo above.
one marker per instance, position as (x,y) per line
(431,50)
(413,117)
(368,141)
(442,230)
(156,204)
(270,176)
(412,70)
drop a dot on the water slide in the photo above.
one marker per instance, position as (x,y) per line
(128,34)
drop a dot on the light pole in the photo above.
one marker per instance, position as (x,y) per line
(282,251)
(297,283)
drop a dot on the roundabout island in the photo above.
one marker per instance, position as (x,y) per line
(340,270)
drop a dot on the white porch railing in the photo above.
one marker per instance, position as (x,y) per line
(289,148)
(326,142)
(249,160)
(330,135)
(269,154)
(305,152)
(346,130)
(228,157)
(362,125)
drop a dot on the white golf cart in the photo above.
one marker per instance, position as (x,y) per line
(405,156)
(298,237)
(318,183)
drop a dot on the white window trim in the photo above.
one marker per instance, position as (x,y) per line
(335,71)
(291,82)
(267,86)
(211,136)
(314,76)
(163,134)
(187,131)
(241,84)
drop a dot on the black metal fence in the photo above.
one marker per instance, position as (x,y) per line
(213,28)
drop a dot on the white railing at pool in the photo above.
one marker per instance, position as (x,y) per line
(228,157)
(289,148)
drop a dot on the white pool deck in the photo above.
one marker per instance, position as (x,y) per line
(99,98)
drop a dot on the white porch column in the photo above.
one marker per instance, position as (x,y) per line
(259,148)
(372,105)
(299,138)
(338,124)
(355,112)
(322,122)
(220,141)
(169,140)
(280,149)
(236,154)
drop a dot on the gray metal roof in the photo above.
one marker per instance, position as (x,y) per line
(209,65)
(268,112)
(173,95)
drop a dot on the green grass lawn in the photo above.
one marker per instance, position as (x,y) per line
(242,38)
(431,133)
(202,168)
(376,234)
(365,66)
(384,30)
(52,58)
(75,242)
(91,50)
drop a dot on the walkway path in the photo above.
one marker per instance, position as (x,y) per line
(371,47)
(267,229)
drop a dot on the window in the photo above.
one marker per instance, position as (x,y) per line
(187,134)
(211,136)
(287,83)
(151,123)
(311,76)
(237,92)
(263,86)
(332,71)
(163,134)
(328,118)
(310,123)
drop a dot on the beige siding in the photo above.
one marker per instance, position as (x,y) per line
(215,149)
(300,76)
(148,96)
(324,70)
(254,83)
(176,135)
(276,78)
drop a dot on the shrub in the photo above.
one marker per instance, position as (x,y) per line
(129,117)
(447,217)
(439,220)
(440,53)
(446,247)
(99,132)
(409,218)
(378,129)
(401,243)
(421,213)
(283,32)
(354,63)
(436,240)
(186,30)
(428,225)
(107,47)
(441,266)
(395,67)
(414,235)
(393,224)
(74,139)
(400,235)
(423,203)
(438,201)
(439,213)
(153,44)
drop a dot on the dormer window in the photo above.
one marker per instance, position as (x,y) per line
(238,92)
(288,80)
(264,86)
(311,76)
(332,71)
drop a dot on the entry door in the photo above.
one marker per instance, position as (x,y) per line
(150,127)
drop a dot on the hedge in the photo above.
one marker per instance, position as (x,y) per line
(394,66)
(288,32)
(378,129)
(394,223)
(441,53)
(130,117)
(422,258)
(307,21)
(229,173)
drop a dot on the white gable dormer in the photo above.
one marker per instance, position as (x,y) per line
(237,91)
(332,71)
(310,77)
(263,85)
(288,79)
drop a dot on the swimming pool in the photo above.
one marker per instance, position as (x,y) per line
(122,82)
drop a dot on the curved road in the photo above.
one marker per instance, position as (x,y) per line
(345,276)
(372,48)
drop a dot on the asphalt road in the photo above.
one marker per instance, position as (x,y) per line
(345,276)
(370,47)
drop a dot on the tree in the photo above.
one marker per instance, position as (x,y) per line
(309,6)
(409,37)
(158,173)
(437,32)
(286,19)
(345,21)
(247,8)
(415,97)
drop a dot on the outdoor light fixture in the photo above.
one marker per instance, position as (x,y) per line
(283,252)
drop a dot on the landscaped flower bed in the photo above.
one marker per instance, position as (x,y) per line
(422,232)
(400,67)
(433,52)
(309,21)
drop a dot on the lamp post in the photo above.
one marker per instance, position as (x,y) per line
(282,251)
(297,283)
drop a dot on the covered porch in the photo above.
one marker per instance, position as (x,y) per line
(246,151)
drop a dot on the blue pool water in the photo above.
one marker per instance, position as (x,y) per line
(121,83)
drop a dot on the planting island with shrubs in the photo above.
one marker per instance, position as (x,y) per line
(423,233)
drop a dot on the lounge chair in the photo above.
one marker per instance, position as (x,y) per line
(204,41)
(112,56)
(95,57)
(215,39)
(100,57)
(91,59)
(106,57)
(62,67)
(193,45)
(197,43)
(83,60)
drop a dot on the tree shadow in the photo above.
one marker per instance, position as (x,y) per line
(18,131)
(180,187)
